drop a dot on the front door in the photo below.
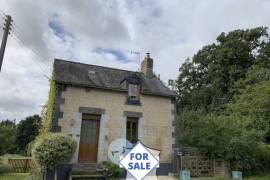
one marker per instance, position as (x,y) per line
(89,138)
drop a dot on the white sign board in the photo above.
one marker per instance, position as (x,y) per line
(139,162)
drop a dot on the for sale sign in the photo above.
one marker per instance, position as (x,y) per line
(139,162)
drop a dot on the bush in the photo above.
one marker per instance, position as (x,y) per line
(53,150)
(36,172)
(113,171)
(225,137)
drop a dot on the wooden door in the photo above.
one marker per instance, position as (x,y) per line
(89,138)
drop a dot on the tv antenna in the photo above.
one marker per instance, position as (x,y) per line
(138,54)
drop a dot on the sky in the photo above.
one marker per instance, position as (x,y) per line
(102,32)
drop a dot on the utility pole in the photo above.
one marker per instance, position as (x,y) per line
(7,27)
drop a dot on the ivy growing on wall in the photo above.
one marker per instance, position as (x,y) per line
(48,108)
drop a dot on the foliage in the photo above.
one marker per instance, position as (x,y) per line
(220,137)
(27,130)
(224,103)
(52,150)
(36,172)
(208,79)
(48,109)
(7,138)
(8,122)
(254,103)
(113,171)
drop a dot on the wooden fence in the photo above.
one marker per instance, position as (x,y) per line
(20,165)
(199,165)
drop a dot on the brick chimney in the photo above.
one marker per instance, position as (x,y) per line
(147,66)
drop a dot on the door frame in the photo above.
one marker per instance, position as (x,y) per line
(90,117)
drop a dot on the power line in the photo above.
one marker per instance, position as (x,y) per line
(39,54)
(23,45)
(45,67)
(41,66)
(2,15)
(34,51)
(7,28)
(16,30)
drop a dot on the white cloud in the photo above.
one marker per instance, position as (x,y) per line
(170,30)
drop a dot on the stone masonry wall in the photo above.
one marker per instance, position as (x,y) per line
(156,112)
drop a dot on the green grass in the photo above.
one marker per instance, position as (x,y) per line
(4,166)
(15,176)
(262,177)
(212,178)
(266,177)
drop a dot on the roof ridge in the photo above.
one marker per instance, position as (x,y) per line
(93,65)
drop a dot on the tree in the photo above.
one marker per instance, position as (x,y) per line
(27,131)
(225,98)
(52,150)
(207,80)
(7,137)
(8,122)
(253,101)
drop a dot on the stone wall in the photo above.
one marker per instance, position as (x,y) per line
(155,123)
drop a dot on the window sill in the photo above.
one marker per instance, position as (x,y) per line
(133,102)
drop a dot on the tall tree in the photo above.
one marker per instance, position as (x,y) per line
(225,98)
(207,80)
(7,137)
(27,130)
(8,122)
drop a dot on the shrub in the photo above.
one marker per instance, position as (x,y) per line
(113,171)
(53,150)
(36,172)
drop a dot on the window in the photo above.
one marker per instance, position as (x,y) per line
(133,91)
(132,130)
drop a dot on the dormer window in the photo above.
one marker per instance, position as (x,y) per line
(133,84)
(133,91)
(133,94)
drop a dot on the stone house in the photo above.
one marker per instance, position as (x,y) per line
(97,105)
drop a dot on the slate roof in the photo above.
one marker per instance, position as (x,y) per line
(73,73)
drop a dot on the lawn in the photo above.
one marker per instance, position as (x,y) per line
(265,177)
(15,176)
(5,169)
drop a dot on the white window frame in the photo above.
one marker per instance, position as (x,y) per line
(133,93)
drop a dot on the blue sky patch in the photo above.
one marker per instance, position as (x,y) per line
(119,55)
(58,28)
